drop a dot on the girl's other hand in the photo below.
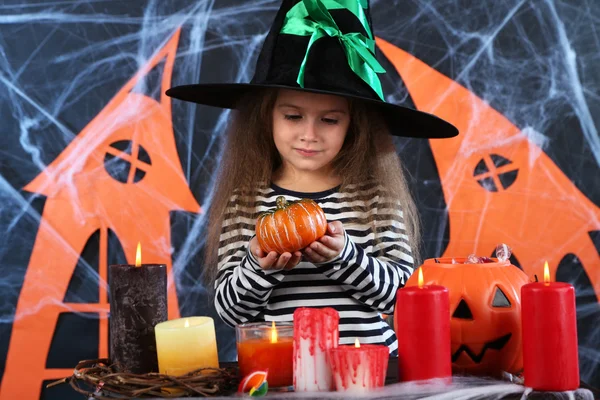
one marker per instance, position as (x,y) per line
(272,260)
(328,247)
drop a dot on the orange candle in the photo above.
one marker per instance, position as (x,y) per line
(267,346)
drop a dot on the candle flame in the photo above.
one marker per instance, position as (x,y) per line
(273,332)
(138,255)
(546,274)
(187,323)
(357,343)
(420,277)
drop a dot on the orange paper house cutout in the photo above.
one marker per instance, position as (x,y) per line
(83,197)
(499,186)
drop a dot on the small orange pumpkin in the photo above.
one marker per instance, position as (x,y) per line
(485,311)
(291,226)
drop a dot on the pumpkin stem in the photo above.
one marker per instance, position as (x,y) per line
(281,202)
(536,278)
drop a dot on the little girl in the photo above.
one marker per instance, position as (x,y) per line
(313,124)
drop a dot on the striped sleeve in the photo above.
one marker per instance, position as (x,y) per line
(243,288)
(373,277)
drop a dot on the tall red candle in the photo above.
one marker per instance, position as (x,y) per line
(549,323)
(424,339)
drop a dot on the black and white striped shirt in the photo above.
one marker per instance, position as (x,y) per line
(361,283)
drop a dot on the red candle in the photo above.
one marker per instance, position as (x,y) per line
(262,348)
(316,330)
(549,323)
(359,368)
(424,338)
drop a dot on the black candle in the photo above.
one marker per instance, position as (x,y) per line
(138,301)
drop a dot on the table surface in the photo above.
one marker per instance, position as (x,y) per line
(392,378)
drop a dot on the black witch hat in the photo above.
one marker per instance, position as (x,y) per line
(321,46)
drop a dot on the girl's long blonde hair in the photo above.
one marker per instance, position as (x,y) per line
(249,158)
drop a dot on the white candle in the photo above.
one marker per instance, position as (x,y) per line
(316,331)
(359,368)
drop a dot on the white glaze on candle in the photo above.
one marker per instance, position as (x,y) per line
(315,332)
(312,371)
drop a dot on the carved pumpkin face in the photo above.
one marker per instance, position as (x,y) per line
(485,310)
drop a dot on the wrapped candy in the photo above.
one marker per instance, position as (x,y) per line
(255,384)
(503,252)
(472,259)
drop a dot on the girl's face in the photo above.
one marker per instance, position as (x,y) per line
(309,129)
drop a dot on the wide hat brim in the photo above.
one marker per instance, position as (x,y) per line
(337,63)
(402,121)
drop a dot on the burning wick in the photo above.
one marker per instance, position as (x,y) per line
(546,274)
(273,332)
(138,255)
(357,343)
(420,278)
(187,323)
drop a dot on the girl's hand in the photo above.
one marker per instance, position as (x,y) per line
(328,247)
(273,260)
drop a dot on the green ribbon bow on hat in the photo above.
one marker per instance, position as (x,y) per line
(359,49)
